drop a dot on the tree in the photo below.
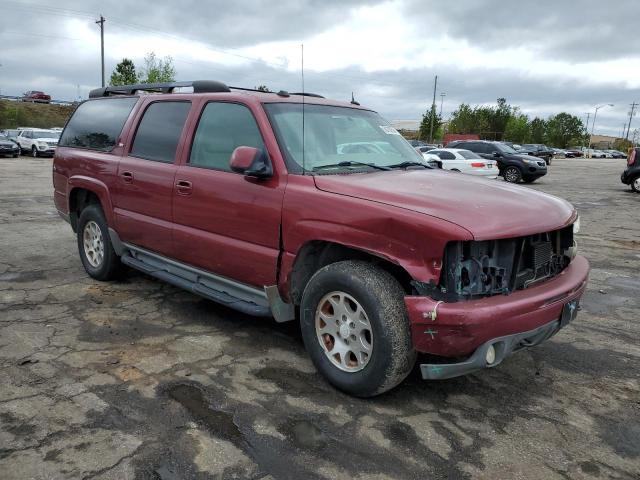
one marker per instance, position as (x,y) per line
(499,117)
(563,129)
(263,88)
(517,128)
(462,120)
(124,73)
(425,124)
(622,145)
(537,131)
(157,70)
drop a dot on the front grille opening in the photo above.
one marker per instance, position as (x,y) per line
(491,267)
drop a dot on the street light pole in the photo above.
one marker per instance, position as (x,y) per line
(593,125)
(442,95)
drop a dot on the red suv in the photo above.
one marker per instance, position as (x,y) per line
(307,209)
(36,96)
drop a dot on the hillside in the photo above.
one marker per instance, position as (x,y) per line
(20,114)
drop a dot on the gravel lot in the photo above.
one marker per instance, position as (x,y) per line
(138,379)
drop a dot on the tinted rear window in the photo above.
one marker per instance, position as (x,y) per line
(96,124)
(159,131)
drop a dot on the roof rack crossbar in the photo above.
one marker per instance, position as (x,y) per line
(199,86)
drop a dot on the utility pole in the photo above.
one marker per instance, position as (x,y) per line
(633,107)
(433,109)
(101,22)
(587,127)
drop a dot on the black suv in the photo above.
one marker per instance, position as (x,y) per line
(631,175)
(513,165)
(538,150)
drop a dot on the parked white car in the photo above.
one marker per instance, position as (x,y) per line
(464,161)
(37,142)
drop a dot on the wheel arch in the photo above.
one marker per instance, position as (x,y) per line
(83,192)
(315,254)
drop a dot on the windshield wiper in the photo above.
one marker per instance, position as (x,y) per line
(349,163)
(409,164)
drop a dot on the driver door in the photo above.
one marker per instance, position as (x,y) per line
(224,222)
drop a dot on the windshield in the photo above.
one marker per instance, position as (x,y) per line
(468,154)
(46,134)
(505,148)
(337,135)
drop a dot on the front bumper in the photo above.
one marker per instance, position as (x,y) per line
(457,330)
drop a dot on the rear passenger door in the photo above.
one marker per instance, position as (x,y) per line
(146,172)
(224,222)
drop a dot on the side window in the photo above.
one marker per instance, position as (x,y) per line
(159,131)
(485,148)
(222,128)
(96,124)
(446,155)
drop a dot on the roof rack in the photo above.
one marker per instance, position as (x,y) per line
(199,86)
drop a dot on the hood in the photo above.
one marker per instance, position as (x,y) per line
(8,143)
(488,209)
(46,139)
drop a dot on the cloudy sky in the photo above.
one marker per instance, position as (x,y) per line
(546,56)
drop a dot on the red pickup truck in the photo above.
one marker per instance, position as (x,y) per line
(311,210)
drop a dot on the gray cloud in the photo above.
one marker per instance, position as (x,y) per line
(32,59)
(583,30)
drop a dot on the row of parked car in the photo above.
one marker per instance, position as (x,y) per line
(488,159)
(37,142)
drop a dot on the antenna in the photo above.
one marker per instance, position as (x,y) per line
(303,95)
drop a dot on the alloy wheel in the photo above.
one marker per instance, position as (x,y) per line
(93,244)
(344,331)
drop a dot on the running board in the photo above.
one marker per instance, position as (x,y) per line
(241,297)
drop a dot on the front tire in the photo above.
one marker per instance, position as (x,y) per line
(635,184)
(34,152)
(512,174)
(355,328)
(94,245)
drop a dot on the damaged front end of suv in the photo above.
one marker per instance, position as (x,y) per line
(495,297)
(473,269)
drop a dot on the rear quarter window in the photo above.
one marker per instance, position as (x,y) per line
(97,124)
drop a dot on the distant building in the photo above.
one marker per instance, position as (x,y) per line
(603,141)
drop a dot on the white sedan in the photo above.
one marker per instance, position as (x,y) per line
(464,161)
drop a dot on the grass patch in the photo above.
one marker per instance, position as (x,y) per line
(37,115)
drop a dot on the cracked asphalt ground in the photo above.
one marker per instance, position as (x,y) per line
(137,379)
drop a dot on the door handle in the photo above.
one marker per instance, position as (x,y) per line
(183,187)
(127,177)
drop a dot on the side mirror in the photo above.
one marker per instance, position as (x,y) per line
(497,154)
(251,161)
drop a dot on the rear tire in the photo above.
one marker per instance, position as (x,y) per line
(367,325)
(94,245)
(512,174)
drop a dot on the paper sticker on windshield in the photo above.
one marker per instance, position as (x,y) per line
(389,130)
